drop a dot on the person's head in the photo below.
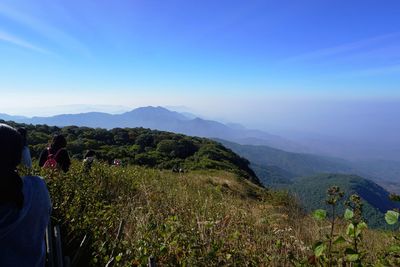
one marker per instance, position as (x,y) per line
(90,153)
(10,156)
(58,142)
(11,148)
(23,133)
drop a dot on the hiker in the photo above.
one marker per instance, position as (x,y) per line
(26,159)
(88,160)
(117,162)
(24,207)
(56,156)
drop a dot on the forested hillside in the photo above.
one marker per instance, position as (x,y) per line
(267,160)
(310,176)
(297,164)
(144,147)
(312,192)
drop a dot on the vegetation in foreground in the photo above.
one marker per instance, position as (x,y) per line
(200,218)
(348,246)
(312,193)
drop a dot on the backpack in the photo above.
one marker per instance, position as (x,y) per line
(51,162)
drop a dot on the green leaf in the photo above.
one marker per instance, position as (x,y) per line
(118,258)
(395,249)
(350,251)
(352,257)
(319,214)
(361,226)
(339,240)
(350,231)
(392,217)
(163,249)
(319,249)
(348,214)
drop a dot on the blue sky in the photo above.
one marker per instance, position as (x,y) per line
(216,57)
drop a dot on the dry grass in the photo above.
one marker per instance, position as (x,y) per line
(201,218)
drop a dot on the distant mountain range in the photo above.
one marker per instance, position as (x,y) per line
(274,166)
(159,118)
(309,176)
(7,117)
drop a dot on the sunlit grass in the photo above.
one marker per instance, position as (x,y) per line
(199,218)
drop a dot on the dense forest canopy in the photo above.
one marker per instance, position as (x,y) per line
(144,147)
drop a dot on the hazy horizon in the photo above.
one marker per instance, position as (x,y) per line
(305,115)
(288,67)
(351,130)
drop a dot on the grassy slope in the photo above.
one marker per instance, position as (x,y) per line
(200,218)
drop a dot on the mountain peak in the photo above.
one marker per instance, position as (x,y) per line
(151,112)
(151,108)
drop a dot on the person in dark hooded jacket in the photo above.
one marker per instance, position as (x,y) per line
(24,207)
(57,151)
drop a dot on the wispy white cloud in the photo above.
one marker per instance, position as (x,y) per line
(44,29)
(6,37)
(353,47)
